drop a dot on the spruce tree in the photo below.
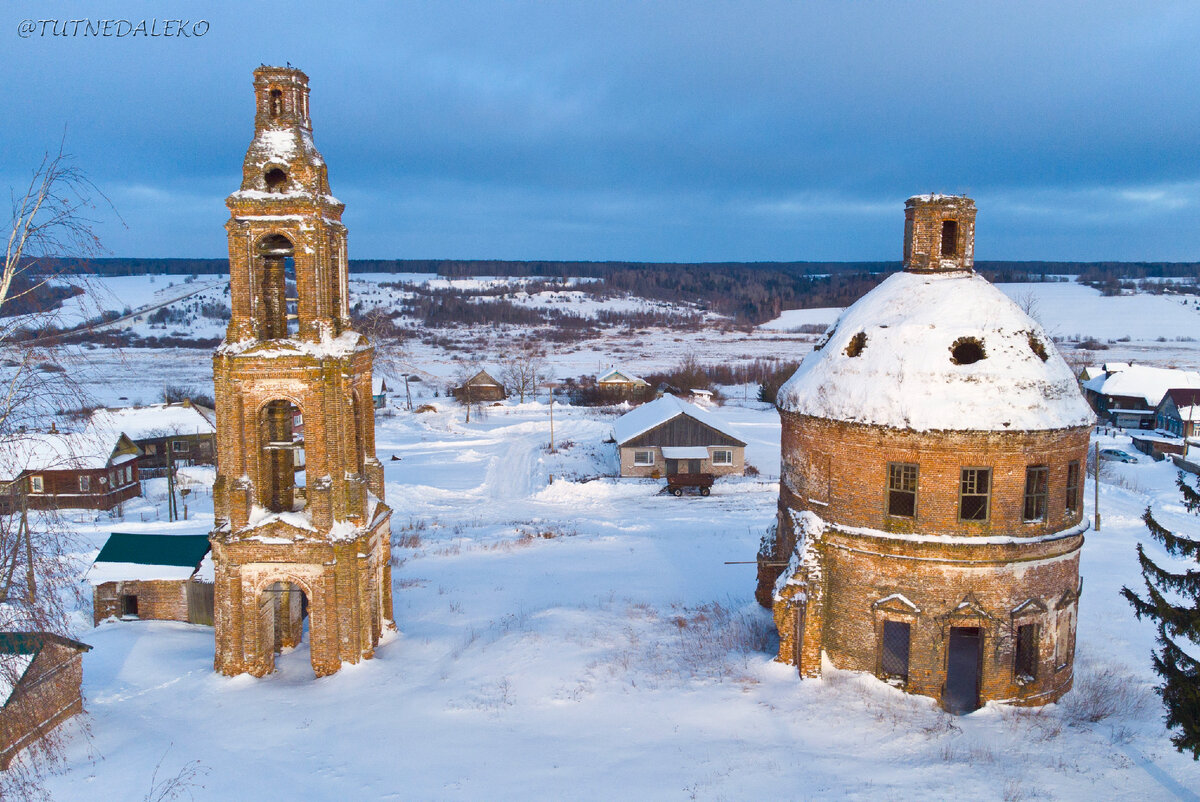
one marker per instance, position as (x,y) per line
(1172,601)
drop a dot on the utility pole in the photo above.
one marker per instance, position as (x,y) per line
(407,393)
(170,482)
(552,451)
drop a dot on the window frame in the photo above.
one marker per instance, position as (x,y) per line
(986,495)
(1036,493)
(717,451)
(884,671)
(37,484)
(180,446)
(899,470)
(1025,651)
(639,463)
(1073,495)
(85,484)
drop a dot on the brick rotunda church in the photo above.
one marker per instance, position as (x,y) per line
(930,508)
(301,527)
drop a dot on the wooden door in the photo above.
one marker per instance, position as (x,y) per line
(672,466)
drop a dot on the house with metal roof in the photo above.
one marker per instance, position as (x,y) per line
(40,678)
(153,577)
(95,470)
(669,435)
(480,387)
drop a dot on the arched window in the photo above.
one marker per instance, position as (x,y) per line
(359,445)
(277,312)
(281,478)
(275,103)
(275,179)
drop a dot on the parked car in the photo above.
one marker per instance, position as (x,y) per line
(1116,455)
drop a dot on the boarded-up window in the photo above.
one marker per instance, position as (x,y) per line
(722,456)
(1037,492)
(1073,486)
(975,486)
(902,489)
(1025,656)
(643,458)
(949,237)
(1064,637)
(893,659)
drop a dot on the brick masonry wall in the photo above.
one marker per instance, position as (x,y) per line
(39,706)
(660,464)
(159,600)
(838,471)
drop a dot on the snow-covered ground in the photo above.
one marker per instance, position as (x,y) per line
(585,639)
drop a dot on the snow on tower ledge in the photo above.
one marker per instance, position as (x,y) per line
(937,351)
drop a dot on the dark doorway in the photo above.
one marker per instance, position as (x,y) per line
(129,606)
(672,466)
(962,670)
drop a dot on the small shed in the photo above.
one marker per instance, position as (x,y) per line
(379,392)
(182,433)
(669,435)
(40,678)
(480,387)
(153,577)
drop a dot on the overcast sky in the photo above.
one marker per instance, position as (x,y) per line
(649,131)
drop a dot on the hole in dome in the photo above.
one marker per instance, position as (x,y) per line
(275,179)
(1038,347)
(967,351)
(857,343)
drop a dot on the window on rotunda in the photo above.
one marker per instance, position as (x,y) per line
(1073,486)
(975,487)
(1037,492)
(902,489)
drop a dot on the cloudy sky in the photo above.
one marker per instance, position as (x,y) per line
(655,131)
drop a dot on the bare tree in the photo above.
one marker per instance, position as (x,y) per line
(521,372)
(463,390)
(52,223)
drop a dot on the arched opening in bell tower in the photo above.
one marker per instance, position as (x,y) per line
(275,179)
(282,478)
(284,628)
(277,312)
(275,103)
(359,446)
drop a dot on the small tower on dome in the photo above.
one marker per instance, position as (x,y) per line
(939,233)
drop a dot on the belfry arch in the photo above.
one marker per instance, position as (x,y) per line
(301,528)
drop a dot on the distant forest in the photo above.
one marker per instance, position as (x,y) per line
(748,292)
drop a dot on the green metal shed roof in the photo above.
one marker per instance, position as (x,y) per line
(181,550)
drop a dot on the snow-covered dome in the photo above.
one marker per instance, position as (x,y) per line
(938,351)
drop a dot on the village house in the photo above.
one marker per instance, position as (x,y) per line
(153,577)
(617,384)
(1179,412)
(80,470)
(379,392)
(181,433)
(929,528)
(1126,396)
(480,387)
(40,679)
(668,435)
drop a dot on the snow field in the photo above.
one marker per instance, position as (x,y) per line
(583,639)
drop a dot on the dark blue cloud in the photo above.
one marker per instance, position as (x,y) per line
(658,131)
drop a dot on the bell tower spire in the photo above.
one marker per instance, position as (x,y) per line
(298,497)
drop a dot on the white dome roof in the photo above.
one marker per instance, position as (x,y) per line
(904,375)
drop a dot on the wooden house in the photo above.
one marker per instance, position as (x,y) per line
(55,470)
(40,678)
(1179,412)
(153,577)
(182,433)
(379,392)
(669,435)
(480,387)
(1127,396)
(617,384)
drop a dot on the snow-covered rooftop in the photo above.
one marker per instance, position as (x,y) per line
(657,412)
(902,374)
(1142,381)
(155,420)
(45,451)
(619,375)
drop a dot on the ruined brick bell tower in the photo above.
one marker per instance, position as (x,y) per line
(301,527)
